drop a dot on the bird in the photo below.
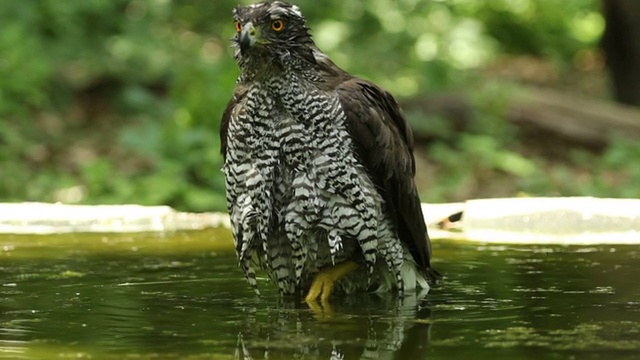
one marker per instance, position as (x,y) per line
(319,168)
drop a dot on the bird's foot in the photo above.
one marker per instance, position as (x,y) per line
(322,285)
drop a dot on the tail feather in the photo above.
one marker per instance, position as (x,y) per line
(413,278)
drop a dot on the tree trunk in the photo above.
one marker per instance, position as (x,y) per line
(621,45)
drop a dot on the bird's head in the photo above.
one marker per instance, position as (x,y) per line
(271,36)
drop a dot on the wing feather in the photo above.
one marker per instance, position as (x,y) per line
(384,143)
(239,93)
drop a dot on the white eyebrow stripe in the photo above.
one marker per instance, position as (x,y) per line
(276,11)
(296,10)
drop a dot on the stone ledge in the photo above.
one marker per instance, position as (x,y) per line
(44,218)
(563,220)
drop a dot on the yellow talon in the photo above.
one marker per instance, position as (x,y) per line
(322,284)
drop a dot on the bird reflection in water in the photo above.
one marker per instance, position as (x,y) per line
(370,326)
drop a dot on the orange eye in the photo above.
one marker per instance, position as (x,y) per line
(277,25)
(238,26)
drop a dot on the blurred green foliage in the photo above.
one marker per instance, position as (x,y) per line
(118,101)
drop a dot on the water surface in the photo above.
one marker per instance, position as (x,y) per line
(181,296)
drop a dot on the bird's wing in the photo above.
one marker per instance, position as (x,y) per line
(238,94)
(384,143)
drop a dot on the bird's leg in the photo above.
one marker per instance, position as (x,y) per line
(322,284)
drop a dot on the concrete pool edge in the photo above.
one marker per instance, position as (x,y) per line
(48,218)
(546,220)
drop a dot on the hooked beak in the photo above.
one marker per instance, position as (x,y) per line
(248,37)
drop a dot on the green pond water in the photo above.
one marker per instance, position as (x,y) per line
(181,296)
